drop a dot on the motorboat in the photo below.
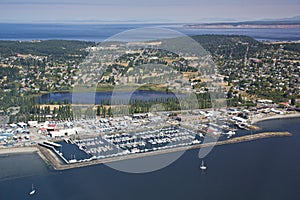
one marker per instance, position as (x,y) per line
(202,166)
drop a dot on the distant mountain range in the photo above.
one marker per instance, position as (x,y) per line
(296,18)
(293,22)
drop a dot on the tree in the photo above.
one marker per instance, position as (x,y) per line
(293,101)
(109,112)
(12,119)
(104,112)
(229,94)
(98,110)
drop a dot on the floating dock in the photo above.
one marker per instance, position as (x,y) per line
(52,144)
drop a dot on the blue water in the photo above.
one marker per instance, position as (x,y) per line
(100,32)
(260,170)
(101,97)
(71,151)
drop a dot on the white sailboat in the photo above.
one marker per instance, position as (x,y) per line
(203,167)
(32,192)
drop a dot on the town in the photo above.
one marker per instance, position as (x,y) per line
(249,82)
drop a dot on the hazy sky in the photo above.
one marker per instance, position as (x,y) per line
(140,10)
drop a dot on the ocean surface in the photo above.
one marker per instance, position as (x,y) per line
(100,32)
(262,169)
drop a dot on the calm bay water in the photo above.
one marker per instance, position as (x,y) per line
(261,169)
(100,32)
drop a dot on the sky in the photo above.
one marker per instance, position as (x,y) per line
(83,11)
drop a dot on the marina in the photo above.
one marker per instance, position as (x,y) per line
(108,146)
(129,143)
(226,166)
(101,140)
(93,141)
(57,164)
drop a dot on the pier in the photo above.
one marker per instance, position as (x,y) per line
(52,144)
(51,159)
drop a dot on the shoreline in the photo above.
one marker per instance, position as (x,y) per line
(53,162)
(277,116)
(18,150)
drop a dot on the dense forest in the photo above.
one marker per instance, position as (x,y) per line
(56,48)
(234,46)
(292,47)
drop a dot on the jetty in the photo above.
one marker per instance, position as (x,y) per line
(52,144)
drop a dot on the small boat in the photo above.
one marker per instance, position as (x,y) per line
(243,125)
(32,192)
(230,134)
(203,167)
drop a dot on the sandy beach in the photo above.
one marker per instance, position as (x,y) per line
(259,119)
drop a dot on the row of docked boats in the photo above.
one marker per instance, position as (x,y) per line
(128,143)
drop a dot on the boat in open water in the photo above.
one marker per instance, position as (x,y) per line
(202,166)
(32,192)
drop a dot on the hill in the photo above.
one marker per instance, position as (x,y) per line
(44,48)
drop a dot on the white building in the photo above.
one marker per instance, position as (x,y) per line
(33,123)
(265,101)
(62,133)
(239,119)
